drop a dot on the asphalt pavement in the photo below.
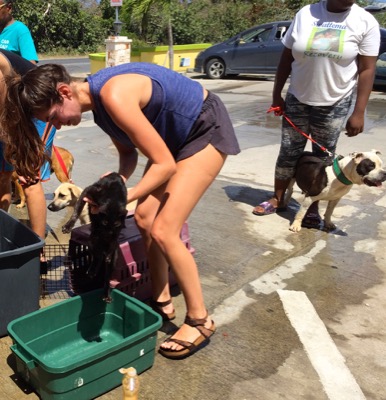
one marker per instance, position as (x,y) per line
(299,316)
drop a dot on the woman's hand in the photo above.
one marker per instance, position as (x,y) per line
(94,208)
(355,124)
(27,181)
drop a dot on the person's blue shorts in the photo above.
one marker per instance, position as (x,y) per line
(45,170)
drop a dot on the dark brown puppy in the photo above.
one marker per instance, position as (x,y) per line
(107,215)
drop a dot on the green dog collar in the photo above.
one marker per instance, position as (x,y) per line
(339,174)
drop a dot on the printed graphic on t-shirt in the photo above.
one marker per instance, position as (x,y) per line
(325,42)
(4,43)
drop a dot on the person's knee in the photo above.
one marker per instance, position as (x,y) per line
(166,235)
(159,234)
(143,222)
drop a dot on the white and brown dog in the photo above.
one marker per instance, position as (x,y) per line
(330,182)
(67,194)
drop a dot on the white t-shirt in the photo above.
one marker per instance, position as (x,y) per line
(325,46)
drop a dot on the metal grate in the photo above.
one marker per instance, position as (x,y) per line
(55,282)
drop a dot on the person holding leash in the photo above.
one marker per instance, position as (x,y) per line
(330,51)
(182,129)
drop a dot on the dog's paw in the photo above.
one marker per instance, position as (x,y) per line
(66,228)
(329,226)
(296,226)
(107,299)
(20,205)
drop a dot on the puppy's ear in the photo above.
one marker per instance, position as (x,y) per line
(377,152)
(74,191)
(357,157)
(73,195)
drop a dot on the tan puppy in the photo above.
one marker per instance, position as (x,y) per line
(60,174)
(67,194)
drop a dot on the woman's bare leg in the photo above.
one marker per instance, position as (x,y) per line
(145,215)
(193,177)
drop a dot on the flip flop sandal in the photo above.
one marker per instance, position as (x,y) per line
(188,348)
(268,209)
(157,307)
(312,220)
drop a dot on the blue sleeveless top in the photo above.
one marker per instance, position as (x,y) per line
(174,106)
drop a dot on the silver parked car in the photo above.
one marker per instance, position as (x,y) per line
(254,51)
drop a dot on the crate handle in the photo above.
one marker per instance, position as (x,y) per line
(126,253)
(136,276)
(29,363)
(129,260)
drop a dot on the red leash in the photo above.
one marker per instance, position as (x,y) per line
(278,111)
(61,163)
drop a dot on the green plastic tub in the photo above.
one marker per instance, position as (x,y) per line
(19,270)
(74,349)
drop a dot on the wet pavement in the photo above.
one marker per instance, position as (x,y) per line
(299,316)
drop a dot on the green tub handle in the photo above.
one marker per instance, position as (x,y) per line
(30,364)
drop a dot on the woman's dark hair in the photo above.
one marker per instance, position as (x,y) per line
(27,96)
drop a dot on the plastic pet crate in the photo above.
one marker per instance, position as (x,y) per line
(55,281)
(19,270)
(74,349)
(131,274)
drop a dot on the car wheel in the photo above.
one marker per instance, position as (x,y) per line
(215,69)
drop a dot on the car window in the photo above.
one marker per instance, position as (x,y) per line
(256,36)
(382,57)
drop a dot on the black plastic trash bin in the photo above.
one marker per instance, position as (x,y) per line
(19,270)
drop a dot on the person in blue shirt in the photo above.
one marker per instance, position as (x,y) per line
(11,63)
(182,129)
(18,54)
(14,35)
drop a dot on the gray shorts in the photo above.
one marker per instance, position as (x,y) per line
(322,123)
(213,126)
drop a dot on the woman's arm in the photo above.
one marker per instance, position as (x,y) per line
(124,97)
(366,72)
(5,70)
(282,74)
(128,158)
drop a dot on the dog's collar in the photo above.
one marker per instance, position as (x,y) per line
(339,173)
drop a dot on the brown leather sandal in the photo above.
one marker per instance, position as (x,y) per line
(188,348)
(157,307)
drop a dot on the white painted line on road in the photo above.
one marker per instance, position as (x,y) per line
(274,279)
(326,359)
(270,282)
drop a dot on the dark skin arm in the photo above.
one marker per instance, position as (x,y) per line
(366,72)
(282,74)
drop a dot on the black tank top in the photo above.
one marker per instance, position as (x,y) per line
(19,64)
